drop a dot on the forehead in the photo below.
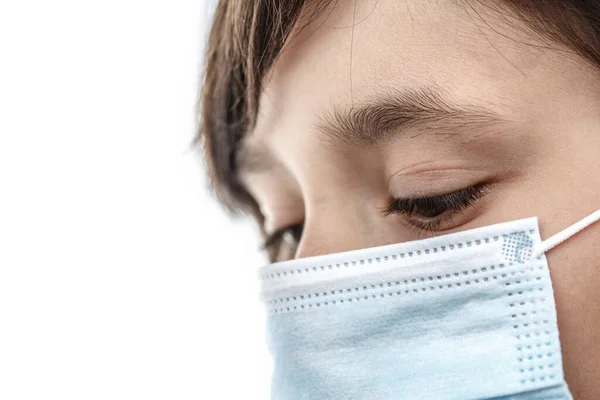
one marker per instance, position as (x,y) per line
(356,49)
(476,55)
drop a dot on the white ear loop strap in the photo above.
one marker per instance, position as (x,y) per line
(566,233)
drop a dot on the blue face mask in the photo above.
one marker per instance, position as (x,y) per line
(470,315)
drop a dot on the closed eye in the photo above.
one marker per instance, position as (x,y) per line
(431,213)
(283,243)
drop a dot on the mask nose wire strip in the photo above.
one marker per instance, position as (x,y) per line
(565,234)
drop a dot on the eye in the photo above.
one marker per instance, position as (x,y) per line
(437,212)
(282,244)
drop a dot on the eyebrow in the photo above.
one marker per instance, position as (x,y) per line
(423,110)
(377,121)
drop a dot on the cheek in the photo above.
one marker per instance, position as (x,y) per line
(575,271)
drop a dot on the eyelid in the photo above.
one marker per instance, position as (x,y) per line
(430,183)
(272,238)
(471,194)
(467,189)
(278,213)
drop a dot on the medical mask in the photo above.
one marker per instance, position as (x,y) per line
(469,315)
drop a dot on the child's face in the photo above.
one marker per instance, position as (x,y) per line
(370,108)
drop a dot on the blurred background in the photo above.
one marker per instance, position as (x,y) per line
(120,277)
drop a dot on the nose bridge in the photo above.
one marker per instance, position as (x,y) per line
(338,223)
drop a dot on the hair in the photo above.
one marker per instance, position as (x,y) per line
(248,35)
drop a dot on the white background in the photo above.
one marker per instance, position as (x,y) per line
(120,278)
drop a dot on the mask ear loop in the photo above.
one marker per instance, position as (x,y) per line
(565,234)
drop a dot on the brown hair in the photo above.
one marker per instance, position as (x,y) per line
(248,35)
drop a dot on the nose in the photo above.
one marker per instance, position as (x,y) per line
(332,227)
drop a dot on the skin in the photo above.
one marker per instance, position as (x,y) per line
(543,160)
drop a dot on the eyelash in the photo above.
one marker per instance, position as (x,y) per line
(450,204)
(275,239)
